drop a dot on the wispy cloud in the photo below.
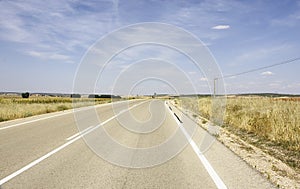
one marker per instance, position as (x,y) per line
(198,16)
(61,26)
(261,53)
(291,20)
(221,27)
(69,26)
(50,56)
(246,35)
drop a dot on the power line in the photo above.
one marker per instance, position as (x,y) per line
(261,68)
(254,70)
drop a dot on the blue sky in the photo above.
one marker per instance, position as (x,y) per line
(42,44)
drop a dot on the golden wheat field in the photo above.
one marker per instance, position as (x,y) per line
(17,107)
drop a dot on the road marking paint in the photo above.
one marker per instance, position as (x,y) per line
(9,177)
(177,117)
(213,174)
(35,162)
(61,114)
(79,133)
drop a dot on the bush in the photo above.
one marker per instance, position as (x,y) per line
(75,96)
(103,96)
(93,96)
(25,95)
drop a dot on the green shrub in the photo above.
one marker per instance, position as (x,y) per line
(25,95)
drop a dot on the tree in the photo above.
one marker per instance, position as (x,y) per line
(75,96)
(93,96)
(25,95)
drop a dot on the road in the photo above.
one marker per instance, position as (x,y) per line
(48,151)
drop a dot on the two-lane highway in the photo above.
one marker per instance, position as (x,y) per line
(49,152)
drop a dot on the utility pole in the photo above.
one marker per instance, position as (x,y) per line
(215,81)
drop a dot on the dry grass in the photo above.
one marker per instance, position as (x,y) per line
(16,107)
(278,121)
(271,123)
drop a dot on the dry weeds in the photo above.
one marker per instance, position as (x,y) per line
(272,124)
(16,107)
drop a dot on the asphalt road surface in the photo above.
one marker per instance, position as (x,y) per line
(131,144)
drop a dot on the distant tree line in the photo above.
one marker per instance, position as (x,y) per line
(103,96)
(26,95)
(75,96)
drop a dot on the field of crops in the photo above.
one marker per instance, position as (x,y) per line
(266,121)
(17,107)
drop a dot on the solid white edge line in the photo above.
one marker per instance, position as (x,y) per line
(79,133)
(60,114)
(212,173)
(35,162)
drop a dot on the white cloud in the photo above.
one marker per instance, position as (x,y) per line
(221,27)
(267,73)
(203,79)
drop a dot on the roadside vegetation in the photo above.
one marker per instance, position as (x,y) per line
(272,124)
(13,107)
